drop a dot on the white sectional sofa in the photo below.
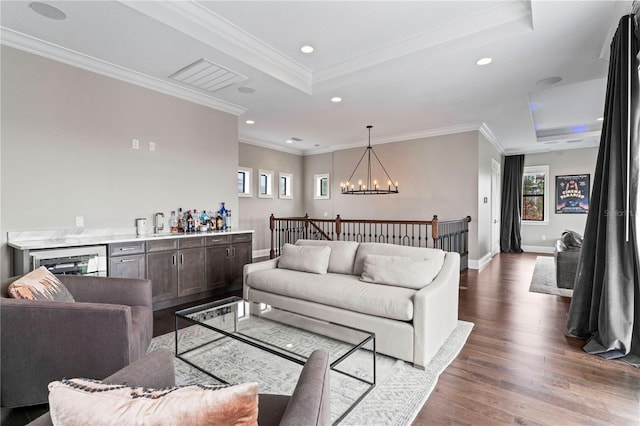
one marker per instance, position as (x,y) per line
(407,296)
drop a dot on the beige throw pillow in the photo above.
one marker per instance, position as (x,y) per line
(399,271)
(92,402)
(40,284)
(314,259)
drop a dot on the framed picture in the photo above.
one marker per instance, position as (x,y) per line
(572,194)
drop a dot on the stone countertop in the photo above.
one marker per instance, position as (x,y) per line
(34,240)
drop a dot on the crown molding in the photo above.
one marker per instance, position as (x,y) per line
(48,50)
(274,147)
(199,22)
(487,133)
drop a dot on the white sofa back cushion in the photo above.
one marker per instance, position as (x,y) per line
(399,271)
(343,254)
(384,249)
(305,258)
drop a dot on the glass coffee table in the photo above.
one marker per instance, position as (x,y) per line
(235,325)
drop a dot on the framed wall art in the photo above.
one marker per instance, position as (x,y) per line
(572,194)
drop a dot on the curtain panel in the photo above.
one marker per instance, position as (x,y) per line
(605,307)
(510,238)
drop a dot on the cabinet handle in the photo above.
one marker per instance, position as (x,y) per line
(127,248)
(182,259)
(227,253)
(127,260)
(173,260)
(233,252)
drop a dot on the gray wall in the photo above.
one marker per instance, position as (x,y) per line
(255,211)
(66,150)
(575,161)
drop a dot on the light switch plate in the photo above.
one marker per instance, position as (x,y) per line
(135,144)
(79,220)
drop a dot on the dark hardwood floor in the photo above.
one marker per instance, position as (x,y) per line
(518,367)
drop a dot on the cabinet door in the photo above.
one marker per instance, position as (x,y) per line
(190,271)
(241,255)
(162,270)
(127,266)
(217,267)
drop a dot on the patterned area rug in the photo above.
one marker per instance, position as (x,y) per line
(400,392)
(544,278)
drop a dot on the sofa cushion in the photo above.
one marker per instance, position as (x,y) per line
(85,401)
(399,271)
(338,290)
(571,239)
(343,254)
(40,284)
(364,249)
(305,258)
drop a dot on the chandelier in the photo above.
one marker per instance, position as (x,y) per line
(369,187)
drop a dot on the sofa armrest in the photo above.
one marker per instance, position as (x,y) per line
(435,311)
(309,404)
(154,370)
(118,291)
(253,267)
(44,341)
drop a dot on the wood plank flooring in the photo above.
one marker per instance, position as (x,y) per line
(518,367)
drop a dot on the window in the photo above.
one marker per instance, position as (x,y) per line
(265,184)
(535,197)
(286,179)
(321,187)
(244,182)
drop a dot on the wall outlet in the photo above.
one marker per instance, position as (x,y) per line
(544,237)
(135,144)
(152,146)
(79,220)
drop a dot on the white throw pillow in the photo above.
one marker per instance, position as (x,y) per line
(409,272)
(93,402)
(313,259)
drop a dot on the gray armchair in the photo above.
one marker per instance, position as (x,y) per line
(109,326)
(309,404)
(567,253)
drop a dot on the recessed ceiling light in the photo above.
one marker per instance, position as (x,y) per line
(484,61)
(247,90)
(549,81)
(600,118)
(336,99)
(289,141)
(306,49)
(250,122)
(47,10)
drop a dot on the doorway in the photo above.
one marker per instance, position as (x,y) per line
(495,207)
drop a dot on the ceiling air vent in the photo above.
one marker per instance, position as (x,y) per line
(208,76)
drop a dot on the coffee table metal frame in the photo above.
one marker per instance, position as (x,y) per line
(230,304)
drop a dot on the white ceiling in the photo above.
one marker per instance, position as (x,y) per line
(407,68)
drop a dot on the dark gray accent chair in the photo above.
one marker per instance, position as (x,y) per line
(567,253)
(109,326)
(308,405)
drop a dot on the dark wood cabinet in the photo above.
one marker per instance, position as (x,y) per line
(127,260)
(163,272)
(183,268)
(226,257)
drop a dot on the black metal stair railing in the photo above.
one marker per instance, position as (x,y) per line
(449,235)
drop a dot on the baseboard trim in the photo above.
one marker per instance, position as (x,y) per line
(260,253)
(480,263)
(538,249)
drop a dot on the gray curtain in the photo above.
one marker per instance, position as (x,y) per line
(605,307)
(510,238)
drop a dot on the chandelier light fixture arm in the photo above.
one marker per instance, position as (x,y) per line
(369,188)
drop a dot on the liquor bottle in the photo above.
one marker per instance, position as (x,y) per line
(219,222)
(196,220)
(228,220)
(173,222)
(189,221)
(181,223)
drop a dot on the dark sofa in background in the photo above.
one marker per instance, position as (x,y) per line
(566,253)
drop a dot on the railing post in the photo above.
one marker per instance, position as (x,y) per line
(434,227)
(306,225)
(338,226)
(272,223)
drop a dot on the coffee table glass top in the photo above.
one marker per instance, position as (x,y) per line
(279,333)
